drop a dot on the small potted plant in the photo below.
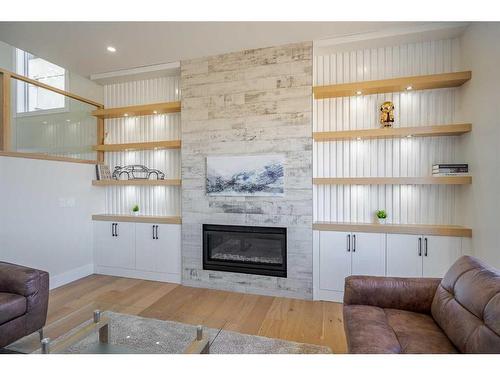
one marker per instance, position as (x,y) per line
(135,209)
(381,216)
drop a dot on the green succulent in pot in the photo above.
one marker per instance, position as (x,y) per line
(381,216)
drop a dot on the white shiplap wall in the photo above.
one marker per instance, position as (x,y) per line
(406,204)
(156,200)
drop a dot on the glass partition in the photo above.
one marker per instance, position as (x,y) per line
(47,122)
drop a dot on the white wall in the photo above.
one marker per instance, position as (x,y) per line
(37,228)
(480,105)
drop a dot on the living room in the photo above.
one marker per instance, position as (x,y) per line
(318,187)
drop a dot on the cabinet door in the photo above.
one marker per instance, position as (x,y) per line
(145,248)
(158,248)
(439,253)
(334,260)
(368,254)
(404,258)
(114,250)
(168,247)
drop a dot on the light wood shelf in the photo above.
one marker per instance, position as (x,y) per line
(175,144)
(433,81)
(419,131)
(436,230)
(138,182)
(138,110)
(139,219)
(441,180)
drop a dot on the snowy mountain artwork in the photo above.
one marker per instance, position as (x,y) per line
(249,175)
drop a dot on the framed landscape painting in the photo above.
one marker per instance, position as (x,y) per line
(248,175)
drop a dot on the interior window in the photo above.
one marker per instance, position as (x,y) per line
(29,97)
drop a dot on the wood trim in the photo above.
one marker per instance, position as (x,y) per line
(433,81)
(100,138)
(54,89)
(37,156)
(166,182)
(436,230)
(418,131)
(139,219)
(174,144)
(5,125)
(138,110)
(441,180)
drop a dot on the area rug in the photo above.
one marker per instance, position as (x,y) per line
(152,336)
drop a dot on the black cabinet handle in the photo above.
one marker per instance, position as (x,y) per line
(420,246)
(116,229)
(156,231)
(112,229)
(425,247)
(348,242)
(153,232)
(353,243)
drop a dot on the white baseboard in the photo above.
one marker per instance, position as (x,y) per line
(328,295)
(71,275)
(136,274)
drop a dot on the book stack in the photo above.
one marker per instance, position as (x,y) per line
(450,169)
(102,172)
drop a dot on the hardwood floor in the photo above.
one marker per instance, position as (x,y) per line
(314,322)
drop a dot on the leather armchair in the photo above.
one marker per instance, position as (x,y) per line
(24,297)
(457,314)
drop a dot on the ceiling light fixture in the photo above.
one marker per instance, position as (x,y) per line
(409,136)
(68,120)
(409,88)
(111,49)
(155,112)
(359,138)
(125,114)
(358,92)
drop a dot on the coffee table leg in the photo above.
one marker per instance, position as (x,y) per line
(45,346)
(104,330)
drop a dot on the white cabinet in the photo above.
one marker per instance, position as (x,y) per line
(139,250)
(114,244)
(341,254)
(157,248)
(417,256)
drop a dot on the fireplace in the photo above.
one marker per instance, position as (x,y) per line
(245,249)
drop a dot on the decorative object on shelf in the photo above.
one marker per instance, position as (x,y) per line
(135,209)
(102,172)
(136,172)
(250,175)
(450,169)
(381,216)
(387,114)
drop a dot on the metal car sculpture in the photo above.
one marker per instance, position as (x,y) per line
(136,172)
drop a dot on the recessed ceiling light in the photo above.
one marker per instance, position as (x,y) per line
(111,49)
(409,88)
(358,92)
(125,114)
(155,112)
(409,136)
(68,120)
(359,138)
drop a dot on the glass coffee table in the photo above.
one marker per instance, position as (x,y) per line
(104,331)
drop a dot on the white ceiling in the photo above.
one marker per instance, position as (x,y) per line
(81,46)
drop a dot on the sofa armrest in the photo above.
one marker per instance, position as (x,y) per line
(411,294)
(20,280)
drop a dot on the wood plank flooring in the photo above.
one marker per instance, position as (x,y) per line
(313,322)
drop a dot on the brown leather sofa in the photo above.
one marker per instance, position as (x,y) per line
(457,314)
(24,297)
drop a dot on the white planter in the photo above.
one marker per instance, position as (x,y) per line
(135,213)
(380,221)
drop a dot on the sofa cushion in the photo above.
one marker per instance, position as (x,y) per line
(418,333)
(467,306)
(369,330)
(11,306)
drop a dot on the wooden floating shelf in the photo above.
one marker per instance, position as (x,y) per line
(436,230)
(166,182)
(176,144)
(433,81)
(420,131)
(138,110)
(442,180)
(139,219)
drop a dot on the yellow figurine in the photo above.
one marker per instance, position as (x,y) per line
(387,114)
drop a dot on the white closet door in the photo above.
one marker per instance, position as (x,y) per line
(368,254)
(404,257)
(439,253)
(334,260)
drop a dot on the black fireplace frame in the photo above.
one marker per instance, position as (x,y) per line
(253,268)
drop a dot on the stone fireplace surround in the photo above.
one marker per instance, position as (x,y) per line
(249,102)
